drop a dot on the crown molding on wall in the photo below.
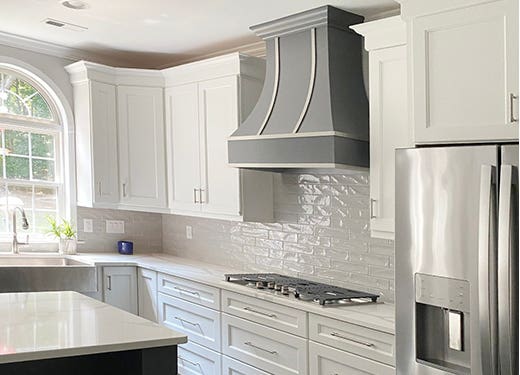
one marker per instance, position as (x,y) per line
(256,49)
(51,49)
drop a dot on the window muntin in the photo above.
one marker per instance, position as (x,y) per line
(18,97)
(30,156)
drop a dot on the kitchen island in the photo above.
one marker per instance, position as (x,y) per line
(67,332)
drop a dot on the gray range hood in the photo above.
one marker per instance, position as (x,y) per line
(313,109)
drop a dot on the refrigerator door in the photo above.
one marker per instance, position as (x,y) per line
(445,260)
(508,262)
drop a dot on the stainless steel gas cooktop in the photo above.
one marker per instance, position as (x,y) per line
(302,289)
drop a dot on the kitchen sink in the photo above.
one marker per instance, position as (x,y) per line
(38,273)
(38,261)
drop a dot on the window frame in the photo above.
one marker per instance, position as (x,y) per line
(56,128)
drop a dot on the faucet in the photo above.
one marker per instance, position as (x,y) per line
(25,225)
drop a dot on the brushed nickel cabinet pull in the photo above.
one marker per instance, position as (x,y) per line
(259,312)
(249,343)
(109,280)
(195,195)
(99,188)
(512,117)
(200,196)
(339,336)
(372,211)
(197,364)
(187,321)
(181,290)
(124,189)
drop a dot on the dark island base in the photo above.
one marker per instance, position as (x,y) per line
(153,361)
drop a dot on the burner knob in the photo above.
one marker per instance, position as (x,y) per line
(259,285)
(285,290)
(277,287)
(270,285)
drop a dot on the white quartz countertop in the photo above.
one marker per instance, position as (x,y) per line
(60,324)
(379,316)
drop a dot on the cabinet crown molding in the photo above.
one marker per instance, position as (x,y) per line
(382,33)
(84,70)
(230,64)
(322,16)
(417,8)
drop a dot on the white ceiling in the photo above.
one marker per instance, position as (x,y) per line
(152,33)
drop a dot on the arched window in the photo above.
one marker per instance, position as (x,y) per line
(31,150)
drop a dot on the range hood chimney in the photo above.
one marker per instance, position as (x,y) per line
(313,109)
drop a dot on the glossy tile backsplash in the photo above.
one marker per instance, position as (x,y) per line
(321,233)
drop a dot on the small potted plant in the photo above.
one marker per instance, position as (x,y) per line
(65,233)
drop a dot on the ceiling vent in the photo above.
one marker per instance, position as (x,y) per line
(63,25)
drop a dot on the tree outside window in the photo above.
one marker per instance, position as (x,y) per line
(30,150)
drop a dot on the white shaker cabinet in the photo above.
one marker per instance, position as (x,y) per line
(147,294)
(327,360)
(119,115)
(96,141)
(142,169)
(390,129)
(182,118)
(205,103)
(120,287)
(464,70)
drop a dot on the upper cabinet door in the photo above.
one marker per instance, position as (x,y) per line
(465,74)
(104,142)
(183,140)
(218,118)
(389,129)
(141,146)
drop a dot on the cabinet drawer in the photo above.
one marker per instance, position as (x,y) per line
(353,338)
(195,359)
(231,366)
(190,291)
(326,360)
(267,313)
(200,324)
(266,348)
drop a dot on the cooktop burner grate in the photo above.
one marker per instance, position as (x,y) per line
(302,289)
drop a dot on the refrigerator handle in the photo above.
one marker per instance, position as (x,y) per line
(486,247)
(506,275)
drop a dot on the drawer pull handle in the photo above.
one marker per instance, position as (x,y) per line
(187,321)
(249,343)
(372,210)
(193,293)
(339,336)
(512,117)
(259,312)
(188,361)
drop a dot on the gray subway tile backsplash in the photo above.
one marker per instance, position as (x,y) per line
(321,232)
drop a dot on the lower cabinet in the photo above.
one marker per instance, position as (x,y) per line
(268,349)
(242,335)
(147,294)
(363,341)
(120,287)
(231,366)
(327,360)
(194,359)
(200,324)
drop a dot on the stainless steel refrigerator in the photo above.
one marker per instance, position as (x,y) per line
(457,260)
